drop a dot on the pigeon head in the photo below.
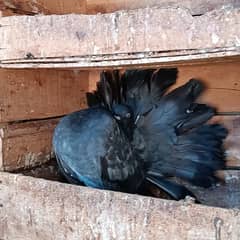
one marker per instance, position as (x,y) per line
(124,116)
(122,112)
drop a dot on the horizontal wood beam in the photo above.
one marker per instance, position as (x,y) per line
(120,39)
(194,7)
(26,145)
(51,210)
(121,61)
(28,7)
(37,94)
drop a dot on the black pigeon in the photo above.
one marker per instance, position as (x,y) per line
(133,133)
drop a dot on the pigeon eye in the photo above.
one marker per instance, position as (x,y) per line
(128,115)
(117,117)
(189,111)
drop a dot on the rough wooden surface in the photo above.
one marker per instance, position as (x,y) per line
(194,7)
(28,7)
(142,33)
(232,142)
(36,94)
(35,209)
(222,84)
(225,194)
(121,61)
(25,145)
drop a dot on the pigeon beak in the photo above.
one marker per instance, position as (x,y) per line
(137,118)
(117,117)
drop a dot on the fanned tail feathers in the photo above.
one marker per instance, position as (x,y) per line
(178,141)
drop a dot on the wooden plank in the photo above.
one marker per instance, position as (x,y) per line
(222,83)
(194,7)
(25,145)
(34,94)
(225,194)
(221,79)
(44,39)
(232,142)
(50,210)
(130,60)
(28,7)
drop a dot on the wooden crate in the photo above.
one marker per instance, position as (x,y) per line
(48,62)
(31,102)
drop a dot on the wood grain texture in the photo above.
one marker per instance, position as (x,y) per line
(25,145)
(141,32)
(49,210)
(36,94)
(121,61)
(194,7)
(28,7)
(232,143)
(222,82)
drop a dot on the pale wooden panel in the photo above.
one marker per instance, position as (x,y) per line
(25,145)
(50,210)
(34,94)
(222,83)
(195,7)
(14,7)
(39,38)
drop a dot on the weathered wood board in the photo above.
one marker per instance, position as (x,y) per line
(36,94)
(232,143)
(194,7)
(25,145)
(142,36)
(36,209)
(28,7)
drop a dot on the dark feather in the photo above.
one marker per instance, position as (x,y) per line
(176,191)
